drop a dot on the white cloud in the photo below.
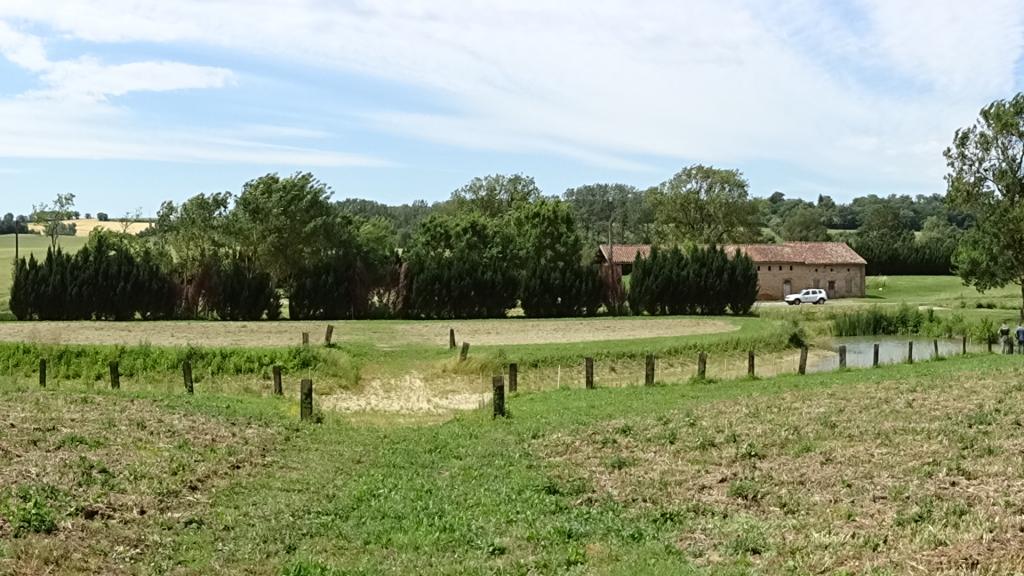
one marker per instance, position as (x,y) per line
(22,49)
(89,79)
(72,118)
(867,91)
(99,131)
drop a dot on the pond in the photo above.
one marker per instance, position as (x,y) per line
(891,350)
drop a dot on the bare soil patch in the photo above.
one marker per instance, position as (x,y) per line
(408,395)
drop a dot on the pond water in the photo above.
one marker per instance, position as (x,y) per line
(891,350)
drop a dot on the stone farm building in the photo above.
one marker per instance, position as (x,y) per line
(782,269)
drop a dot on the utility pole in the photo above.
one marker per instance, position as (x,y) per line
(614,277)
(16,240)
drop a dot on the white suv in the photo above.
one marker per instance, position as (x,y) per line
(811,295)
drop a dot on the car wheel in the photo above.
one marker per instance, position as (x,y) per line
(820,301)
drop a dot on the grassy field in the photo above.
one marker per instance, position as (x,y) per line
(29,244)
(946,291)
(907,469)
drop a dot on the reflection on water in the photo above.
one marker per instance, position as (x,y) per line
(891,350)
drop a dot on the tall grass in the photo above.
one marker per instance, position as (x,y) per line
(91,363)
(762,336)
(907,320)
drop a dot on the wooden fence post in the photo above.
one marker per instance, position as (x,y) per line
(451,338)
(842,357)
(649,370)
(278,391)
(465,352)
(498,385)
(802,368)
(115,376)
(963,345)
(750,364)
(306,400)
(989,341)
(328,335)
(513,378)
(874,357)
(42,372)
(910,352)
(186,373)
(305,338)
(935,349)
(588,369)
(702,365)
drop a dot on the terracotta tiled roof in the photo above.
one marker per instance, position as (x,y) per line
(790,252)
(801,252)
(626,253)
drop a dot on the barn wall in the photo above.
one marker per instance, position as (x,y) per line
(771,276)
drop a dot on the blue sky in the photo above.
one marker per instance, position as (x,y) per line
(129,103)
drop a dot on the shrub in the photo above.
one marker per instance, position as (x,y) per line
(242,292)
(555,282)
(105,280)
(704,280)
(328,289)
(460,266)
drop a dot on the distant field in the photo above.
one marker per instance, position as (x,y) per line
(83,227)
(29,244)
(938,290)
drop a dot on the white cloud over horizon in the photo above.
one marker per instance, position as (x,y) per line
(867,91)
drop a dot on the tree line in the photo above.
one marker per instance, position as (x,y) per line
(897,234)
(239,257)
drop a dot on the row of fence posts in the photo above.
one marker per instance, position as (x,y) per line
(306,388)
(498,383)
(305,396)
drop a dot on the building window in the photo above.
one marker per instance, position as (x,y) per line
(815,269)
(831,269)
(847,269)
(790,267)
(758,268)
(769,268)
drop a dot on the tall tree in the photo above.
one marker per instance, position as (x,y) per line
(496,195)
(52,216)
(705,205)
(805,225)
(986,180)
(555,280)
(284,222)
(619,209)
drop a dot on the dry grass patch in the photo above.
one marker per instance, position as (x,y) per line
(526,331)
(898,477)
(91,483)
(382,334)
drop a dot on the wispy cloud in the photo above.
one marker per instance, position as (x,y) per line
(867,91)
(72,116)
